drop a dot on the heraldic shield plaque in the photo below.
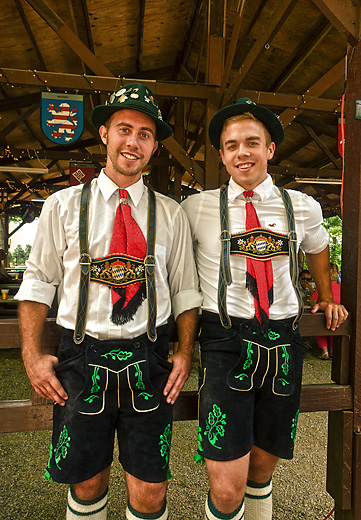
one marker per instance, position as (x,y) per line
(62,117)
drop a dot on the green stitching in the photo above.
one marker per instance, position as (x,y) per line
(293,428)
(61,449)
(283,381)
(145,395)
(95,387)
(248,361)
(285,366)
(47,475)
(164,443)
(120,355)
(139,374)
(214,426)
(273,335)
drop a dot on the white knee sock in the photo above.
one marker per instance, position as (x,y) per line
(212,512)
(92,510)
(132,514)
(258,501)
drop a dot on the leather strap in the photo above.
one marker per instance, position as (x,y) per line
(292,244)
(225,277)
(85,263)
(149,262)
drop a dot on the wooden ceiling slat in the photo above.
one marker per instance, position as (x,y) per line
(68,36)
(216,41)
(30,34)
(12,103)
(140,35)
(232,46)
(317,89)
(317,33)
(322,146)
(281,13)
(10,127)
(188,163)
(344,15)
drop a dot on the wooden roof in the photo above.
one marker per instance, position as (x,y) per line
(196,56)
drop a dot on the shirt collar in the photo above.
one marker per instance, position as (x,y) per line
(108,187)
(261,192)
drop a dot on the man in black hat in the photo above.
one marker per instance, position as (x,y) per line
(121,259)
(247,235)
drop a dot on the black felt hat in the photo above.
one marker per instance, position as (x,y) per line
(134,96)
(242,105)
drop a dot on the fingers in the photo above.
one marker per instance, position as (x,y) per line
(44,381)
(335,315)
(176,379)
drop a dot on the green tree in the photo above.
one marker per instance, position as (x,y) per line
(334,228)
(19,255)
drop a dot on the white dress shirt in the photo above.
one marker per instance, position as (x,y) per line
(54,258)
(203,213)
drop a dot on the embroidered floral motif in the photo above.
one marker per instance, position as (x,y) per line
(120,355)
(95,387)
(164,443)
(285,365)
(140,383)
(199,459)
(47,473)
(215,426)
(247,363)
(272,335)
(294,428)
(117,270)
(61,449)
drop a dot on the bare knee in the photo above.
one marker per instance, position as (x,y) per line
(227,483)
(146,497)
(261,465)
(92,488)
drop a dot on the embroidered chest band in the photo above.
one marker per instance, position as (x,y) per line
(261,244)
(117,270)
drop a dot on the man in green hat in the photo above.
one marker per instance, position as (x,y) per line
(121,259)
(247,235)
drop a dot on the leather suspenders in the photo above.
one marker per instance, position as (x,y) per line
(85,264)
(225,276)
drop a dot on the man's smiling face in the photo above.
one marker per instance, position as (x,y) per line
(130,137)
(245,152)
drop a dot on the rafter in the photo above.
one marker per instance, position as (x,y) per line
(68,36)
(140,35)
(280,15)
(30,34)
(344,15)
(322,146)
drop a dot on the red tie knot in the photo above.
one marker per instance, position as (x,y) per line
(248,194)
(123,196)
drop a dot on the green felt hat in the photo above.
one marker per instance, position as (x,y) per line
(242,105)
(134,96)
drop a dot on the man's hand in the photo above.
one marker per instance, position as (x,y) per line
(335,313)
(42,377)
(179,375)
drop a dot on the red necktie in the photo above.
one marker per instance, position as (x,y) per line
(128,239)
(259,277)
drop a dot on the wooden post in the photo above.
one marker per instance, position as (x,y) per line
(351,267)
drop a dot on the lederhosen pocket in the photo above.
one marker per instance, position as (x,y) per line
(105,364)
(265,359)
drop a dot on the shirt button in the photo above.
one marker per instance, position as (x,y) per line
(136,344)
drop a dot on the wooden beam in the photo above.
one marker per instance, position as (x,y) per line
(280,15)
(312,38)
(216,41)
(68,36)
(139,61)
(10,127)
(232,46)
(344,15)
(317,89)
(30,34)
(188,163)
(322,146)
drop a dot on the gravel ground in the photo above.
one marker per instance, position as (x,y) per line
(299,485)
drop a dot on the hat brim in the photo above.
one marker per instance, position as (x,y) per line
(266,116)
(101,113)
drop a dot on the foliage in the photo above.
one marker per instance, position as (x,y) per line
(334,228)
(19,255)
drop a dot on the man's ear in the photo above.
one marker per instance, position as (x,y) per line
(103,134)
(155,147)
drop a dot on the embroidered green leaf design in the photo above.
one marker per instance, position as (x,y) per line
(285,366)
(241,376)
(248,361)
(121,355)
(273,335)
(214,426)
(145,395)
(164,443)
(294,428)
(139,375)
(61,449)
(283,382)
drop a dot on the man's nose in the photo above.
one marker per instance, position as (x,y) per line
(243,150)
